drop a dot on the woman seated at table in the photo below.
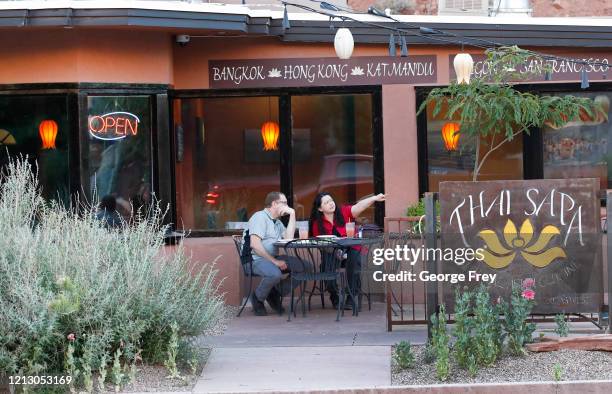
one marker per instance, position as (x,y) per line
(327,218)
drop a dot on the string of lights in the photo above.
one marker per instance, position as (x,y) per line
(375,11)
(344,14)
(344,17)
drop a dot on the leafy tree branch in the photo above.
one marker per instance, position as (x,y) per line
(491,106)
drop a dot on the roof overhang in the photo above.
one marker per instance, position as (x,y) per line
(232,19)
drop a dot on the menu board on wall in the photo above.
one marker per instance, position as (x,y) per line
(268,73)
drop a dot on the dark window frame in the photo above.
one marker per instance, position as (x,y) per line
(152,140)
(76,95)
(286,153)
(72,116)
(533,161)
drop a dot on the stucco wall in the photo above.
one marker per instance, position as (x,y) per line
(400,148)
(221,252)
(81,55)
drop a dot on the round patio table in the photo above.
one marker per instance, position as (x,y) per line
(345,243)
(342,241)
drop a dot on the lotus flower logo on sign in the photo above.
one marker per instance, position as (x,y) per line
(113,125)
(500,254)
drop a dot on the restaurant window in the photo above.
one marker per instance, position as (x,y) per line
(223,169)
(20,122)
(444,164)
(119,150)
(332,150)
(580,149)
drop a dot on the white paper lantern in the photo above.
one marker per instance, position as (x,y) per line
(344,43)
(464,64)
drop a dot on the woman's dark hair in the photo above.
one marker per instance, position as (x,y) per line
(316,217)
(108,203)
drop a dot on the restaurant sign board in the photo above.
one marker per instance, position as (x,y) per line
(303,72)
(599,69)
(548,230)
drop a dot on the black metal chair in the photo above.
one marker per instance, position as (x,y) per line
(324,258)
(246,262)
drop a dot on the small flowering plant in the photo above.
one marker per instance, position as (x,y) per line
(516,314)
(528,283)
(528,292)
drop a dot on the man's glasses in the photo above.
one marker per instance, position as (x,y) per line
(283,202)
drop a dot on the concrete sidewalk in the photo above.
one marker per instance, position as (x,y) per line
(258,354)
(318,328)
(295,369)
(315,353)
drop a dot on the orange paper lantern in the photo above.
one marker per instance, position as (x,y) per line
(269,134)
(48,131)
(450,135)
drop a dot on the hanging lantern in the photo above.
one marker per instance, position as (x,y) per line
(269,134)
(464,64)
(450,135)
(48,131)
(344,43)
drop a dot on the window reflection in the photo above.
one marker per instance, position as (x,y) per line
(119,139)
(506,162)
(580,148)
(20,117)
(339,130)
(223,173)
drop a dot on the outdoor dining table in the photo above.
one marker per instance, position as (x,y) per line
(344,242)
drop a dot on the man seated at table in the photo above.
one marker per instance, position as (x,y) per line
(265,228)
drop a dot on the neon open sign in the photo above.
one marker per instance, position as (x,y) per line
(113,126)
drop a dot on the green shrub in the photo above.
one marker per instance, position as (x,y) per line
(557,372)
(429,353)
(172,352)
(562,328)
(440,341)
(472,365)
(418,210)
(519,331)
(63,273)
(487,329)
(403,355)
(462,329)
